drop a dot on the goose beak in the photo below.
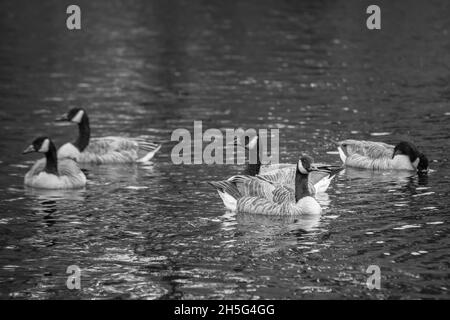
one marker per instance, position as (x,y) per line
(313,168)
(62,118)
(29,150)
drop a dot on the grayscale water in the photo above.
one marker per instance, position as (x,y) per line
(311,69)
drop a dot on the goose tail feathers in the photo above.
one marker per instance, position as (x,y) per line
(342,154)
(323,184)
(150,148)
(228,192)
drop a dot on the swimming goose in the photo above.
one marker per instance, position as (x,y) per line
(106,149)
(249,194)
(382,156)
(284,174)
(51,173)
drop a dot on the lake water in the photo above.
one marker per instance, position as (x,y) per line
(311,69)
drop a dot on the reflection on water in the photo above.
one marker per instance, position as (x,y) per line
(153,231)
(47,203)
(54,196)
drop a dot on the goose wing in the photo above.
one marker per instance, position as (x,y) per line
(106,145)
(37,167)
(109,150)
(283,194)
(119,150)
(245,186)
(265,169)
(69,168)
(253,186)
(370,149)
(285,176)
(271,191)
(256,205)
(70,174)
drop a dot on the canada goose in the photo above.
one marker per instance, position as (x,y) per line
(51,173)
(382,156)
(284,174)
(106,149)
(249,194)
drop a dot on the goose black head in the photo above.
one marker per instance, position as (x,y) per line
(41,145)
(305,164)
(418,159)
(74,115)
(422,167)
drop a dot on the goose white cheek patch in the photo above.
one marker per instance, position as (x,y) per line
(301,168)
(78,117)
(342,154)
(44,146)
(253,142)
(416,163)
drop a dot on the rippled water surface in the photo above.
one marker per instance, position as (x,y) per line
(145,68)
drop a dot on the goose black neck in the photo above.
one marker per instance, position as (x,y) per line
(84,134)
(301,185)
(51,165)
(253,169)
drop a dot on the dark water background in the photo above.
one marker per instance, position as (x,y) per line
(310,68)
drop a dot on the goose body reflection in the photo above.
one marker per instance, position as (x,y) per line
(56,194)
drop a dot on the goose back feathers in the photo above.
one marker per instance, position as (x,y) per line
(110,150)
